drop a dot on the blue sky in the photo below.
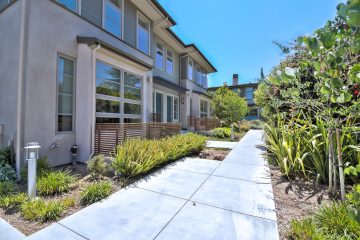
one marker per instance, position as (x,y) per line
(237,35)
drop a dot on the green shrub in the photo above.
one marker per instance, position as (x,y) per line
(7,173)
(13,200)
(43,211)
(304,229)
(5,156)
(138,156)
(55,182)
(244,126)
(221,133)
(7,188)
(96,191)
(256,124)
(97,166)
(335,220)
(42,168)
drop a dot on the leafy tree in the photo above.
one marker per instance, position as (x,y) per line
(262,75)
(320,78)
(228,106)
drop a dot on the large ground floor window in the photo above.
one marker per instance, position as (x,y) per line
(118,95)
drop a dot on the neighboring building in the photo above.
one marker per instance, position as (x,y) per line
(245,91)
(67,65)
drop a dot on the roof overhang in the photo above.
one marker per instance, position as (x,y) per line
(93,41)
(163,82)
(155,12)
(202,93)
(194,52)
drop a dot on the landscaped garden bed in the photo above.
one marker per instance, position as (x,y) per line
(64,190)
(311,104)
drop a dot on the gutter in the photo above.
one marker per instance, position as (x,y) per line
(21,84)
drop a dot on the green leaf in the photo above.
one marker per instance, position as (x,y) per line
(354,14)
(355,45)
(289,72)
(347,97)
(327,38)
(336,83)
(342,10)
(312,44)
(325,90)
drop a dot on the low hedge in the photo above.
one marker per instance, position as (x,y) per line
(139,156)
(221,133)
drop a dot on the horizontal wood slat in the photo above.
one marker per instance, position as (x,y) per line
(109,135)
(203,124)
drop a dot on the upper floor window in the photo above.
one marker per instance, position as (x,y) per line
(198,75)
(204,80)
(159,55)
(169,62)
(143,34)
(249,93)
(112,21)
(65,94)
(70,4)
(190,69)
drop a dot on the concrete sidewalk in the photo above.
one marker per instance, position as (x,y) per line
(188,200)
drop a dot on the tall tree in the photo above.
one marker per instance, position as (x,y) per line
(228,106)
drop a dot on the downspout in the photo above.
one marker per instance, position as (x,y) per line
(21,80)
(94,49)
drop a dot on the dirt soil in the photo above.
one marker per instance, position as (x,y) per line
(14,217)
(214,154)
(295,199)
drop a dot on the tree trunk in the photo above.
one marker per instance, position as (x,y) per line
(341,167)
(331,146)
(232,131)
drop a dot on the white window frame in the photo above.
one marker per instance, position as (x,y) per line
(173,57)
(164,55)
(122,17)
(173,107)
(122,100)
(141,16)
(163,99)
(73,95)
(207,108)
(192,69)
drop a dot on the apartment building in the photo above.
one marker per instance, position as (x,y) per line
(68,65)
(245,91)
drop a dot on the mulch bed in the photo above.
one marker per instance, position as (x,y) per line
(13,216)
(295,199)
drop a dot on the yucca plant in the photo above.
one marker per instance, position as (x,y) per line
(284,143)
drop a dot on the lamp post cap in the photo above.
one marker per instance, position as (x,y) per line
(32,145)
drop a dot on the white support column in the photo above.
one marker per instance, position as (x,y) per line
(85,102)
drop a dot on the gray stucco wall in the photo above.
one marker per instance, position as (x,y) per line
(175,78)
(48,37)
(10,23)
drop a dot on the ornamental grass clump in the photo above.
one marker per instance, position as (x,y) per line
(97,166)
(14,200)
(221,132)
(139,156)
(96,191)
(55,182)
(44,211)
(7,188)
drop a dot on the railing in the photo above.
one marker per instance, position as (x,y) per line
(203,124)
(109,135)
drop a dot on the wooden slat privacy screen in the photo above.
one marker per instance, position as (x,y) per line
(109,135)
(203,124)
